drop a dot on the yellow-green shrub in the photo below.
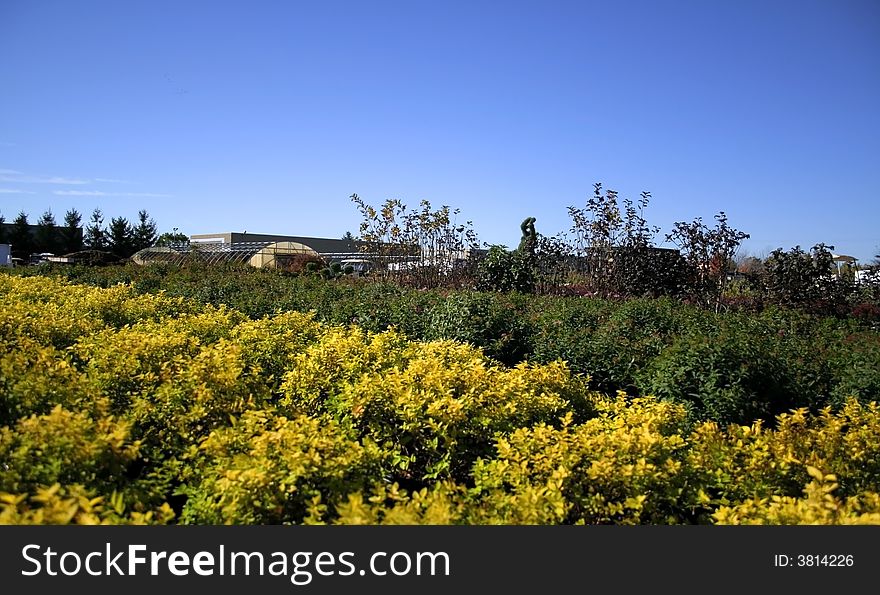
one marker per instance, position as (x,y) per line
(112,404)
(267,469)
(54,312)
(65,447)
(624,466)
(74,505)
(433,406)
(818,506)
(745,462)
(134,360)
(445,503)
(271,344)
(34,379)
(341,355)
(194,396)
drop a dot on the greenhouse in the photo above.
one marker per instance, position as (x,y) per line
(279,255)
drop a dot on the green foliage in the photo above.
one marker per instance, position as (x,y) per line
(491,323)
(21,237)
(854,368)
(127,408)
(423,247)
(529,237)
(46,237)
(121,238)
(144,234)
(173,239)
(505,271)
(807,280)
(71,235)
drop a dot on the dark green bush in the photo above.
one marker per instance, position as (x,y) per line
(503,270)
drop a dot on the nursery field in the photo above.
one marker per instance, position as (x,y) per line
(199,397)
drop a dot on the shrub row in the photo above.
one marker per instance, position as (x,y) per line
(728,367)
(127,408)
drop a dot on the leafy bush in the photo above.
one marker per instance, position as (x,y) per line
(601,471)
(67,448)
(74,505)
(267,469)
(503,271)
(818,506)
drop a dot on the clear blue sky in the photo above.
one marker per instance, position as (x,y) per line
(266,116)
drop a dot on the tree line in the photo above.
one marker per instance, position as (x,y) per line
(120,237)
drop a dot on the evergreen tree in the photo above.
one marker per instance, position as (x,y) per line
(350,239)
(3,230)
(120,237)
(21,237)
(145,234)
(95,236)
(46,238)
(71,234)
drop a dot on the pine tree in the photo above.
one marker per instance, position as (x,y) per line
(145,232)
(21,237)
(120,236)
(71,234)
(46,238)
(95,236)
(3,229)
(350,240)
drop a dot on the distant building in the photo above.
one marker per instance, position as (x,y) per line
(327,247)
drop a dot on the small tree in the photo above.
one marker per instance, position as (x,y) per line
(96,236)
(47,239)
(596,229)
(144,233)
(552,263)
(709,253)
(3,234)
(423,247)
(615,247)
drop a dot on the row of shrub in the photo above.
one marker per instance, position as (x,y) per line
(126,408)
(728,367)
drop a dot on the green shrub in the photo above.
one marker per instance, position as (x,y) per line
(503,270)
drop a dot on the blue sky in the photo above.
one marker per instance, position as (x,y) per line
(267,116)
